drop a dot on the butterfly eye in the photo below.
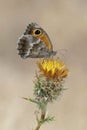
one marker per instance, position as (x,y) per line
(37,32)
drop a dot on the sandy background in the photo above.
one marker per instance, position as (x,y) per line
(66,23)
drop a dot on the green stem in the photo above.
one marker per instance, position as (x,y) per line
(42,117)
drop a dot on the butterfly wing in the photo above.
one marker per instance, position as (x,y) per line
(35,43)
(30,46)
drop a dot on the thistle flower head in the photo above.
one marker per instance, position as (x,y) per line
(49,81)
(52,68)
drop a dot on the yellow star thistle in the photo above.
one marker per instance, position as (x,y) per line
(52,68)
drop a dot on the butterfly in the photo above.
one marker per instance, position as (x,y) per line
(35,43)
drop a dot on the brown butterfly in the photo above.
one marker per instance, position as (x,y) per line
(35,43)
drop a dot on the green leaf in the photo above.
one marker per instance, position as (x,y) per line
(40,104)
(31,100)
(26,98)
(48,119)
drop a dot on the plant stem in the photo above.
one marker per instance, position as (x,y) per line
(38,127)
(42,117)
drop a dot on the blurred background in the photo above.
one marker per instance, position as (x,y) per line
(66,23)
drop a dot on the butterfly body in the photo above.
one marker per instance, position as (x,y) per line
(35,43)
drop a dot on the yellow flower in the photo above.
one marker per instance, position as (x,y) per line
(53,68)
